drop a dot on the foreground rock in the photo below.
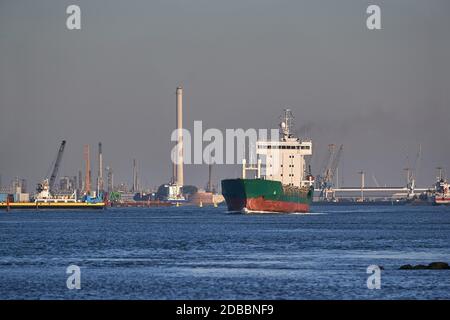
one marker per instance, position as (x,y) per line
(431,266)
(438,266)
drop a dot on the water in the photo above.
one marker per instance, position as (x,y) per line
(206,253)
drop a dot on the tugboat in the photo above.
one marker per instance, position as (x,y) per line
(285,187)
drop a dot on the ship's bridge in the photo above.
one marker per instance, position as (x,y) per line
(296,146)
(284,160)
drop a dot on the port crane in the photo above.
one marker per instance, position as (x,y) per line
(411,174)
(325,179)
(408,191)
(46,188)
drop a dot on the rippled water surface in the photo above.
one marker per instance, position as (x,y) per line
(206,253)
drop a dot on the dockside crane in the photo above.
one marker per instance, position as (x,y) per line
(45,189)
(54,174)
(412,173)
(329,171)
(334,165)
(325,166)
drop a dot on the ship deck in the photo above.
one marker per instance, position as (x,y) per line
(51,205)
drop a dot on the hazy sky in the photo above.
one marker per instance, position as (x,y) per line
(380,93)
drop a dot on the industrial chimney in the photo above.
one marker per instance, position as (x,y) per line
(100,169)
(179,165)
(87,183)
(135,177)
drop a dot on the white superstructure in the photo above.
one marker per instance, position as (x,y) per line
(284,159)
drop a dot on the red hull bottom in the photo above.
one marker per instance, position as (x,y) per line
(261,205)
(442,200)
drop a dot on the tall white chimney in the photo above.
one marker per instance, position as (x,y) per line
(179,164)
(100,169)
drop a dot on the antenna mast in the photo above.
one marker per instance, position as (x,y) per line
(287,123)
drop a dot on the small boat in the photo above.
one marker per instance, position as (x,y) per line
(442,193)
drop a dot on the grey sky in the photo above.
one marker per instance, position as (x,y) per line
(380,93)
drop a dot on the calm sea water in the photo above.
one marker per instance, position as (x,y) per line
(206,253)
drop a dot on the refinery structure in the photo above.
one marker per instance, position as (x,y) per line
(82,188)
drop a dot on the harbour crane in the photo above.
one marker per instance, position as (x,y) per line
(334,165)
(52,180)
(48,184)
(411,174)
(328,172)
(325,165)
(375,180)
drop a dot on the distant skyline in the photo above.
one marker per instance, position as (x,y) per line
(380,93)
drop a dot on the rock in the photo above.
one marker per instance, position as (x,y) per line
(431,266)
(420,267)
(438,266)
(406,267)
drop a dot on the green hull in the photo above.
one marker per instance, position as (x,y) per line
(265,196)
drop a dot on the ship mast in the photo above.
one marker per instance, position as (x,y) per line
(287,122)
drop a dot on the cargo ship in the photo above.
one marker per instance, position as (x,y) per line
(281,184)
